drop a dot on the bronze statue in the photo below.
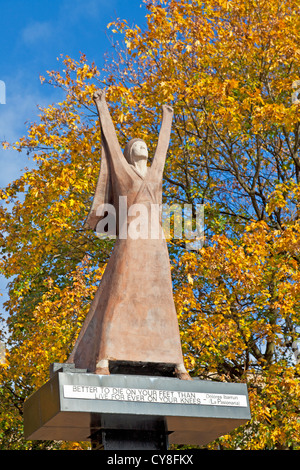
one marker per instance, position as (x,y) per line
(132,317)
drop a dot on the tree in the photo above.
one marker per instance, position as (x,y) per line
(228,69)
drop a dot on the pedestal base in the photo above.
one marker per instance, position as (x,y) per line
(114,439)
(127,411)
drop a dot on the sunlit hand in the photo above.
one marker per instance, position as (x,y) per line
(99,95)
(168,108)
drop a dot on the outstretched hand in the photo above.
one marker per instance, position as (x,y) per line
(98,95)
(168,108)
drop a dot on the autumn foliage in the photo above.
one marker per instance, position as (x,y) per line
(227,68)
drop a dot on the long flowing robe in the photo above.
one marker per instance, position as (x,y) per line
(132,317)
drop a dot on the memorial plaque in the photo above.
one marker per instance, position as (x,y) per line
(72,406)
(153,396)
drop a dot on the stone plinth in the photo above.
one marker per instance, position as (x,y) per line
(75,406)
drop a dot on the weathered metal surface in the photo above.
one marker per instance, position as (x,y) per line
(74,406)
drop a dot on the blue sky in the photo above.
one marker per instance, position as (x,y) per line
(33,33)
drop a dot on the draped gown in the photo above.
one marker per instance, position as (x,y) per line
(132,317)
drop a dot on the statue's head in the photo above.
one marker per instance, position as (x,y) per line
(135,150)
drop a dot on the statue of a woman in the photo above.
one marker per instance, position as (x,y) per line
(132,318)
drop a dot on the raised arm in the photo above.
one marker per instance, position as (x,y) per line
(107,125)
(163,139)
(110,152)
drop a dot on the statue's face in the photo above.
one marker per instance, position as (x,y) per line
(138,150)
